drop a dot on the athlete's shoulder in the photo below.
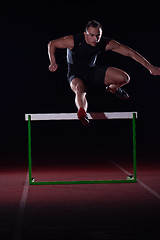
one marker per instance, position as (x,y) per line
(105,40)
(78,37)
(103,43)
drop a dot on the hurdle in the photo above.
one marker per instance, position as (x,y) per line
(73,116)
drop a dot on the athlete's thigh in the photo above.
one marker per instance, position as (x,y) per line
(115,75)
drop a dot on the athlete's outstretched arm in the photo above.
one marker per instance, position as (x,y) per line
(64,42)
(126,51)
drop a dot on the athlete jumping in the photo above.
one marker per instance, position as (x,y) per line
(82,51)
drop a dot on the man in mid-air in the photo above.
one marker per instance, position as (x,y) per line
(83,73)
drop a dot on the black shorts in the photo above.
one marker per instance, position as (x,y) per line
(92,76)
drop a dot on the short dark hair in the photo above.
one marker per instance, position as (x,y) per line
(94,24)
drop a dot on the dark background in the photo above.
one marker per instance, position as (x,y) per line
(27,86)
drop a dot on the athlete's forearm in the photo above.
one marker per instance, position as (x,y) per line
(140,59)
(51,52)
(126,51)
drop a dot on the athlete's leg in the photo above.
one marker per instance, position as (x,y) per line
(79,89)
(115,78)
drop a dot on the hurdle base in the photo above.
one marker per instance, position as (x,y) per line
(83,182)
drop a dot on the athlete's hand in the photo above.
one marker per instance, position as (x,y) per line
(53,67)
(155,70)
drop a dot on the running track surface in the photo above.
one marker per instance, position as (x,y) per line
(105,211)
(96,211)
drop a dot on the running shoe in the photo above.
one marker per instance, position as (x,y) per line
(120,93)
(83,116)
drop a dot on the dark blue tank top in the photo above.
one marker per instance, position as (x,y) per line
(84,55)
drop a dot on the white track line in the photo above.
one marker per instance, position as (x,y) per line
(20,216)
(149,189)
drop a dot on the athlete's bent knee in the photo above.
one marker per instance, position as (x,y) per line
(126,78)
(79,88)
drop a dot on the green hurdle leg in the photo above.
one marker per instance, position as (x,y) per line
(134,147)
(29,150)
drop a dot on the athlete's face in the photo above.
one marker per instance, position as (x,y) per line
(93,35)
